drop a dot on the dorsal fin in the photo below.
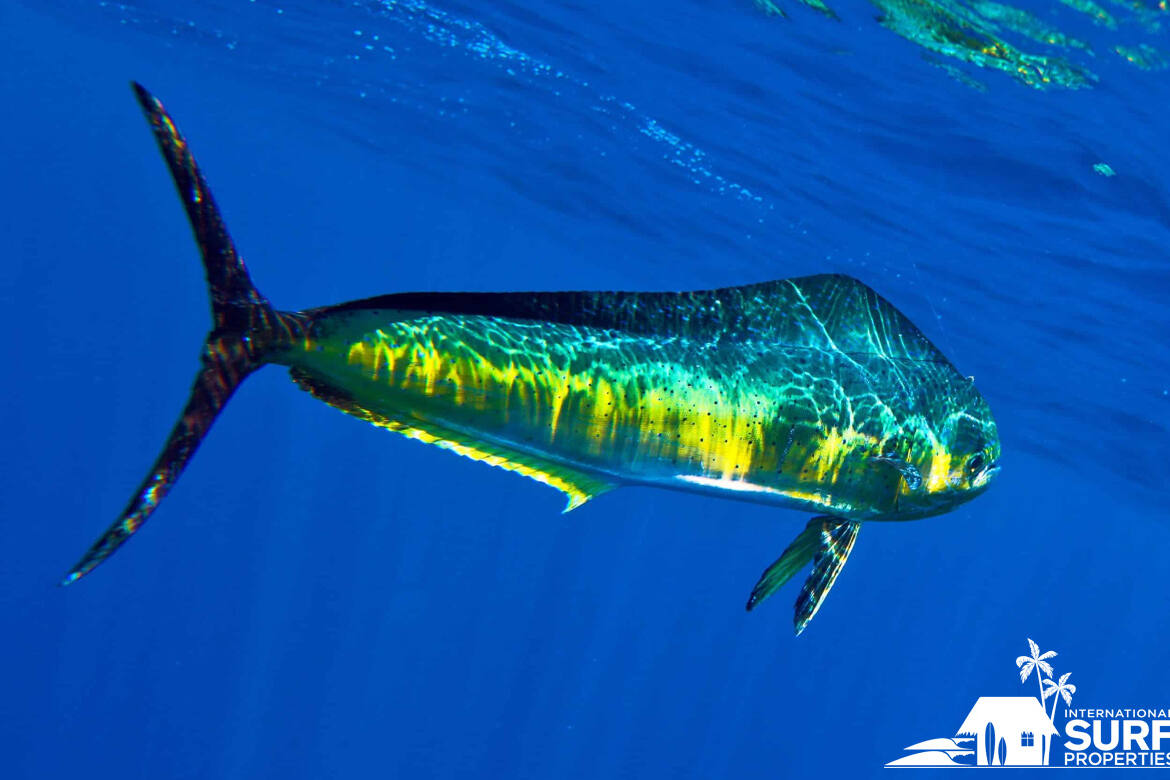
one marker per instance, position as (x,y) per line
(829,312)
(838,312)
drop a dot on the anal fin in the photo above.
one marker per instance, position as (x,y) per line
(827,542)
(577,485)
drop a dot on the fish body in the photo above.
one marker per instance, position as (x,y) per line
(743,392)
(811,393)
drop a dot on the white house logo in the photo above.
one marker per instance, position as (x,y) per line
(1022,731)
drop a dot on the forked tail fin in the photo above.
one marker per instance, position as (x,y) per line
(244,328)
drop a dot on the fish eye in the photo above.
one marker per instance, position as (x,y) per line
(975,464)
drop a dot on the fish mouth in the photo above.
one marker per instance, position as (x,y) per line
(984,477)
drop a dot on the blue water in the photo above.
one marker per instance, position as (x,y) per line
(320,599)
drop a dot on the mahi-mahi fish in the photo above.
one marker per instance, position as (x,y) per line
(811,393)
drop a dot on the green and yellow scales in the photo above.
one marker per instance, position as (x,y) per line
(811,393)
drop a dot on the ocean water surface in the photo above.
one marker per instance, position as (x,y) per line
(318,598)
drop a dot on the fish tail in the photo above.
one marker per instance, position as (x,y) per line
(245,330)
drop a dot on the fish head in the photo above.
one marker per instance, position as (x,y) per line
(956,454)
(970,441)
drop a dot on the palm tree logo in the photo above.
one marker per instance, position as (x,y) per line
(1037,662)
(1004,730)
(1063,690)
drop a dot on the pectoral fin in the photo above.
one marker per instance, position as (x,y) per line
(795,557)
(909,472)
(837,539)
(827,542)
